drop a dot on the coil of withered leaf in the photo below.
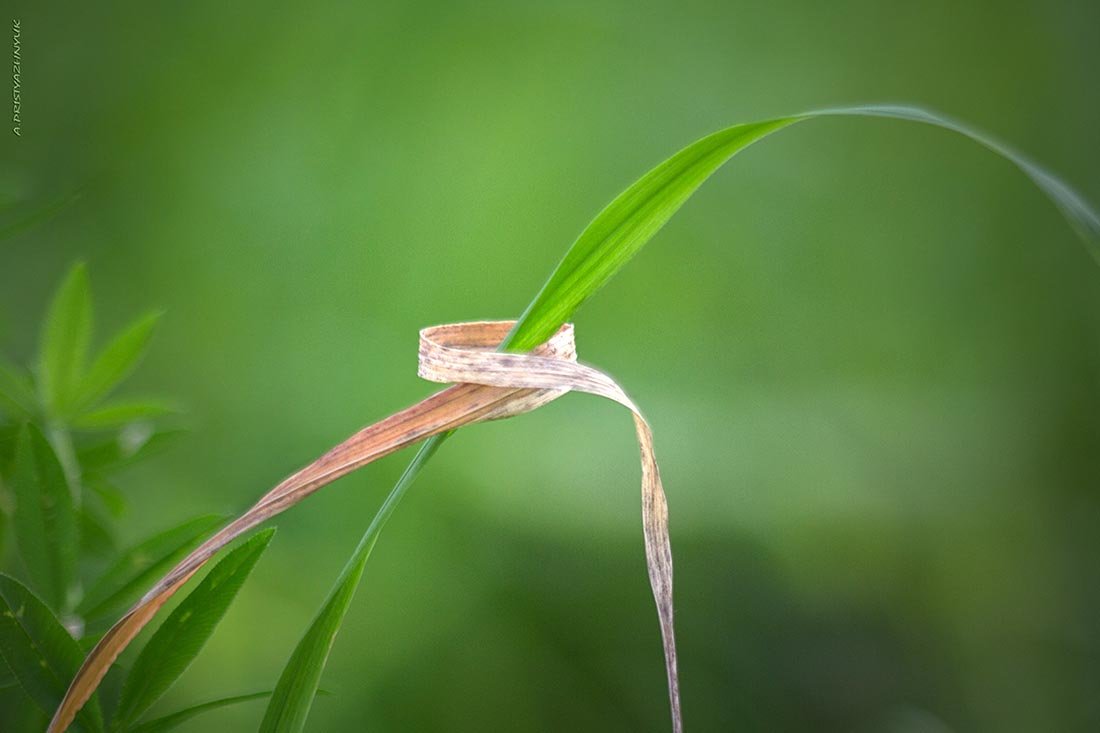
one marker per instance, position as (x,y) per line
(488,385)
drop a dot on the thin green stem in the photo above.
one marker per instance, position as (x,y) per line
(423,455)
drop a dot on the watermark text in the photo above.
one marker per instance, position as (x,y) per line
(16,80)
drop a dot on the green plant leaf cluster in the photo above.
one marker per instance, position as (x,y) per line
(69,388)
(40,656)
(62,440)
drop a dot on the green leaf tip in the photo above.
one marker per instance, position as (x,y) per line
(1082,217)
(63,343)
(618,232)
(116,361)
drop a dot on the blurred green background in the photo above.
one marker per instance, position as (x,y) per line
(869,349)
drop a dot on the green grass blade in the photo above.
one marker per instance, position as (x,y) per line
(45,521)
(183,634)
(123,450)
(116,414)
(298,683)
(116,361)
(625,225)
(631,220)
(137,567)
(172,720)
(1082,217)
(63,347)
(38,650)
(41,214)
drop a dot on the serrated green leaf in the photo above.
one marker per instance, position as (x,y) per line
(39,651)
(119,413)
(17,397)
(115,362)
(172,720)
(63,347)
(182,635)
(44,519)
(124,581)
(297,687)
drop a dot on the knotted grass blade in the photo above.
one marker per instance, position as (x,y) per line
(612,238)
(461,354)
(637,214)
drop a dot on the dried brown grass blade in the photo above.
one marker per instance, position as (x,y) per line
(489,385)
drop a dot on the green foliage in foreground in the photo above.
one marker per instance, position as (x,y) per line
(62,440)
(39,651)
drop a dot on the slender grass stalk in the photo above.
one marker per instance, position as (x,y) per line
(297,686)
